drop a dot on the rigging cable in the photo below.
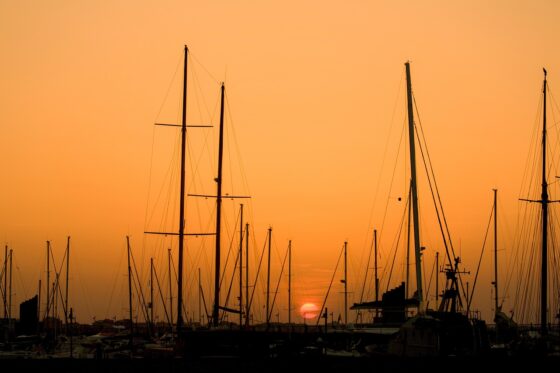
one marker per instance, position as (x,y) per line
(438,205)
(258,271)
(387,204)
(162,301)
(431,177)
(396,246)
(377,188)
(153,142)
(277,285)
(141,299)
(233,272)
(367,268)
(146,219)
(469,301)
(329,288)
(20,278)
(430,283)
(528,236)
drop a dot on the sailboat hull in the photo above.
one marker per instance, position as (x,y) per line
(440,334)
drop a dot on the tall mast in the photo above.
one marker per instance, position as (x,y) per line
(199,299)
(55,301)
(129,290)
(181,233)
(67,281)
(215,313)
(544,202)
(268,278)
(241,267)
(170,287)
(437,277)
(48,279)
(290,284)
(10,287)
(414,188)
(38,304)
(375,265)
(407,278)
(345,284)
(247,274)
(5,282)
(152,291)
(182,196)
(496,304)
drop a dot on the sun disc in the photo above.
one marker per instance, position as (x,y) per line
(309,310)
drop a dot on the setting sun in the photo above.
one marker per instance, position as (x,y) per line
(309,310)
(338,178)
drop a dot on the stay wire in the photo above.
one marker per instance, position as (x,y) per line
(330,285)
(438,206)
(258,271)
(387,204)
(384,158)
(396,246)
(277,286)
(469,301)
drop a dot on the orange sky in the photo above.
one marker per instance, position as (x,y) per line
(315,95)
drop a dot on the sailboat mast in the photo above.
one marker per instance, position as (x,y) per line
(215,313)
(38,304)
(129,290)
(5,281)
(375,265)
(170,287)
(182,197)
(247,274)
(414,188)
(241,267)
(268,279)
(544,202)
(55,287)
(407,278)
(290,283)
(437,277)
(10,287)
(48,280)
(496,305)
(345,284)
(152,291)
(199,299)
(67,281)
